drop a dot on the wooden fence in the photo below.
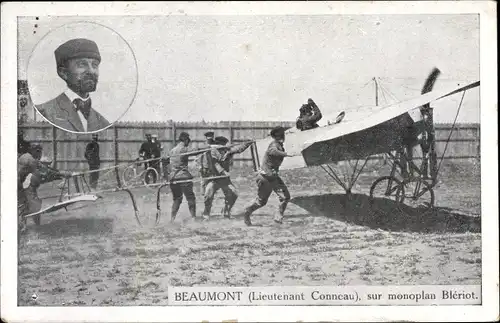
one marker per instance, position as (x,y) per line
(121,143)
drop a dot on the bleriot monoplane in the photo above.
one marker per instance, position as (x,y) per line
(392,130)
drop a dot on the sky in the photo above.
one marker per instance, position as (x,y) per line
(191,68)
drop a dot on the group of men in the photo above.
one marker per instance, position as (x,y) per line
(215,165)
(78,65)
(215,161)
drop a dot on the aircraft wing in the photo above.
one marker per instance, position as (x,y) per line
(357,136)
(63,204)
(381,115)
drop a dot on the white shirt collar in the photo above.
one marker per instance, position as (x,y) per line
(72,95)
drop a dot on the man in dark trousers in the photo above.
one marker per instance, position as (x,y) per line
(94,160)
(156,149)
(181,183)
(309,116)
(78,63)
(268,179)
(146,149)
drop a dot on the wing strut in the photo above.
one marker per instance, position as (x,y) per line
(349,182)
(451,132)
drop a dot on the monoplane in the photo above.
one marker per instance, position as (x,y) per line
(392,130)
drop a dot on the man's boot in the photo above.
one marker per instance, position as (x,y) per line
(192,210)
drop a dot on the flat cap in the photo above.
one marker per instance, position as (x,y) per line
(221,140)
(36,146)
(77,48)
(209,134)
(183,136)
(278,132)
(305,108)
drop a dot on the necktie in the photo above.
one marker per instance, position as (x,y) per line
(83,106)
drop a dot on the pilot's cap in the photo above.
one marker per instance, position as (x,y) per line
(184,136)
(278,132)
(305,108)
(76,48)
(221,140)
(209,134)
(36,147)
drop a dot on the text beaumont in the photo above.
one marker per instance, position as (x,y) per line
(207,296)
(253,296)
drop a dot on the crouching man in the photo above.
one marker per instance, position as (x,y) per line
(31,173)
(268,179)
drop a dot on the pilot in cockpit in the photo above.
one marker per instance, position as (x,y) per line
(309,116)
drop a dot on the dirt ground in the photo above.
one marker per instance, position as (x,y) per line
(96,254)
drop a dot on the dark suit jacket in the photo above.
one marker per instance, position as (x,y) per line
(61,112)
(92,154)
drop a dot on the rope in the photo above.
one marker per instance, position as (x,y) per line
(389,93)
(383,94)
(194,152)
(451,132)
(117,189)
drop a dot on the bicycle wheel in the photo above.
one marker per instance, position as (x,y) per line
(385,194)
(129,176)
(418,196)
(150,177)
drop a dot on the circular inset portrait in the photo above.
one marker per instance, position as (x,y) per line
(82,77)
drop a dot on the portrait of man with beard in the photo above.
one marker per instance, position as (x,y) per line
(78,65)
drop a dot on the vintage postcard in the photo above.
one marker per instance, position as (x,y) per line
(249,162)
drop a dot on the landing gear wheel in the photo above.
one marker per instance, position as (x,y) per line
(385,193)
(418,197)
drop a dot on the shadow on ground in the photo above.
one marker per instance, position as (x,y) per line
(358,210)
(74,226)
